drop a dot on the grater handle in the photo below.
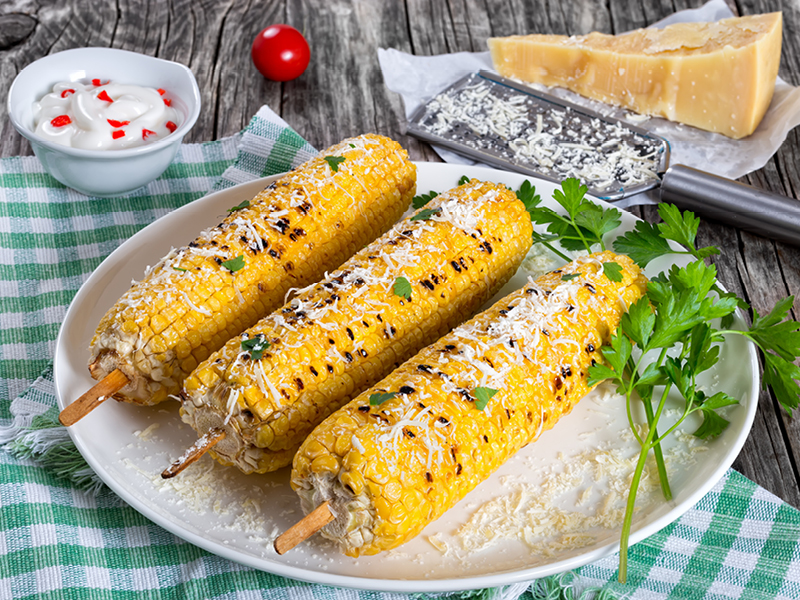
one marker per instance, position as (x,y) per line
(737,204)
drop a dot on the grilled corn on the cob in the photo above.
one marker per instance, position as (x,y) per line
(389,465)
(347,332)
(200,295)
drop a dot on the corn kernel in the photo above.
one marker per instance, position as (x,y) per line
(354,480)
(326,463)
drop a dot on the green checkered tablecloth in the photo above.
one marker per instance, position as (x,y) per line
(62,538)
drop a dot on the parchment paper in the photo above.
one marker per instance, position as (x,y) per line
(419,78)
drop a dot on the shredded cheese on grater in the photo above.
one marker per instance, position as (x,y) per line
(558,143)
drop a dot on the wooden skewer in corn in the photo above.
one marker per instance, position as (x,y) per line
(99,393)
(304,529)
(194,452)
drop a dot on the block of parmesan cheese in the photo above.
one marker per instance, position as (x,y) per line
(716,76)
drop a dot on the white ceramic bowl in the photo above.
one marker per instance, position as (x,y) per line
(104,172)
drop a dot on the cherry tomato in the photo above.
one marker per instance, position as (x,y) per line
(280,53)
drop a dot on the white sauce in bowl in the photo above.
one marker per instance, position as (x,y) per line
(104,115)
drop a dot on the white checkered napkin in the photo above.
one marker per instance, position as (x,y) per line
(269,146)
(739,541)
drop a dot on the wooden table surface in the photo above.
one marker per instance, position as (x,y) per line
(342,94)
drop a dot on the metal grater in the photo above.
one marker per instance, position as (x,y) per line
(495,120)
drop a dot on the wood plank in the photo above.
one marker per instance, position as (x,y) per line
(242,90)
(347,82)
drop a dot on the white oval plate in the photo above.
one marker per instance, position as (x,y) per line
(236,516)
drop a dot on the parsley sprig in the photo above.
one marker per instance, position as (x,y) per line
(256,346)
(482,396)
(425,214)
(648,241)
(676,312)
(402,288)
(584,225)
(333,162)
(241,206)
(423,199)
(672,335)
(380,397)
(234,264)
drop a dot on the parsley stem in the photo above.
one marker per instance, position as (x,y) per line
(657,450)
(583,238)
(637,477)
(553,249)
(629,371)
(630,417)
(687,411)
(724,332)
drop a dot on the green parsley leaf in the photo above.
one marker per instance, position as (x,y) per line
(712,425)
(618,353)
(718,400)
(425,214)
(782,376)
(643,244)
(571,195)
(181,269)
(647,241)
(528,196)
(702,355)
(464,179)
(256,346)
(678,226)
(770,333)
(234,264)
(600,372)
(779,341)
(402,287)
(352,145)
(570,276)
(681,377)
(651,376)
(421,200)
(380,397)
(674,318)
(333,162)
(585,224)
(696,276)
(681,302)
(597,219)
(638,322)
(243,204)
(613,271)
(482,396)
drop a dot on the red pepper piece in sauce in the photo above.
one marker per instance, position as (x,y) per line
(167,101)
(60,121)
(146,132)
(162,91)
(104,96)
(117,134)
(97,82)
(66,93)
(114,123)
(171,126)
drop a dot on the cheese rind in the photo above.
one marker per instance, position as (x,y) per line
(715,76)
